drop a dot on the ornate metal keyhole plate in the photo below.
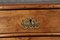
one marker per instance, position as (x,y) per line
(30,23)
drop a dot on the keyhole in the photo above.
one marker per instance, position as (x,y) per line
(30,20)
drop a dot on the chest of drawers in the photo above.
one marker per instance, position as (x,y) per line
(30,22)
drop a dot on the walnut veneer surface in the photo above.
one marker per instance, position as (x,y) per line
(16,24)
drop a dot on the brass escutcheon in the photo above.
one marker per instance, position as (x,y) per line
(30,23)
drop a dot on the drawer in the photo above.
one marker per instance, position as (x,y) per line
(32,38)
(39,21)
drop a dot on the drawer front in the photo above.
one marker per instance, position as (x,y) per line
(32,38)
(40,21)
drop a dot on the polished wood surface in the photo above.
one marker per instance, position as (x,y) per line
(32,38)
(48,17)
(25,6)
(12,35)
(19,38)
(10,21)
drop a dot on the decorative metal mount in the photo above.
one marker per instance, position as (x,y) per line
(30,23)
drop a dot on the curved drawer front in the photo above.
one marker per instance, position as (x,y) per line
(40,21)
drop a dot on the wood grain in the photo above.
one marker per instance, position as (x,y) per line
(10,21)
(25,6)
(32,38)
(44,38)
(20,38)
(12,35)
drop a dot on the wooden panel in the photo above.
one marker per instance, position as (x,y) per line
(14,38)
(44,38)
(49,21)
(32,38)
(24,6)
